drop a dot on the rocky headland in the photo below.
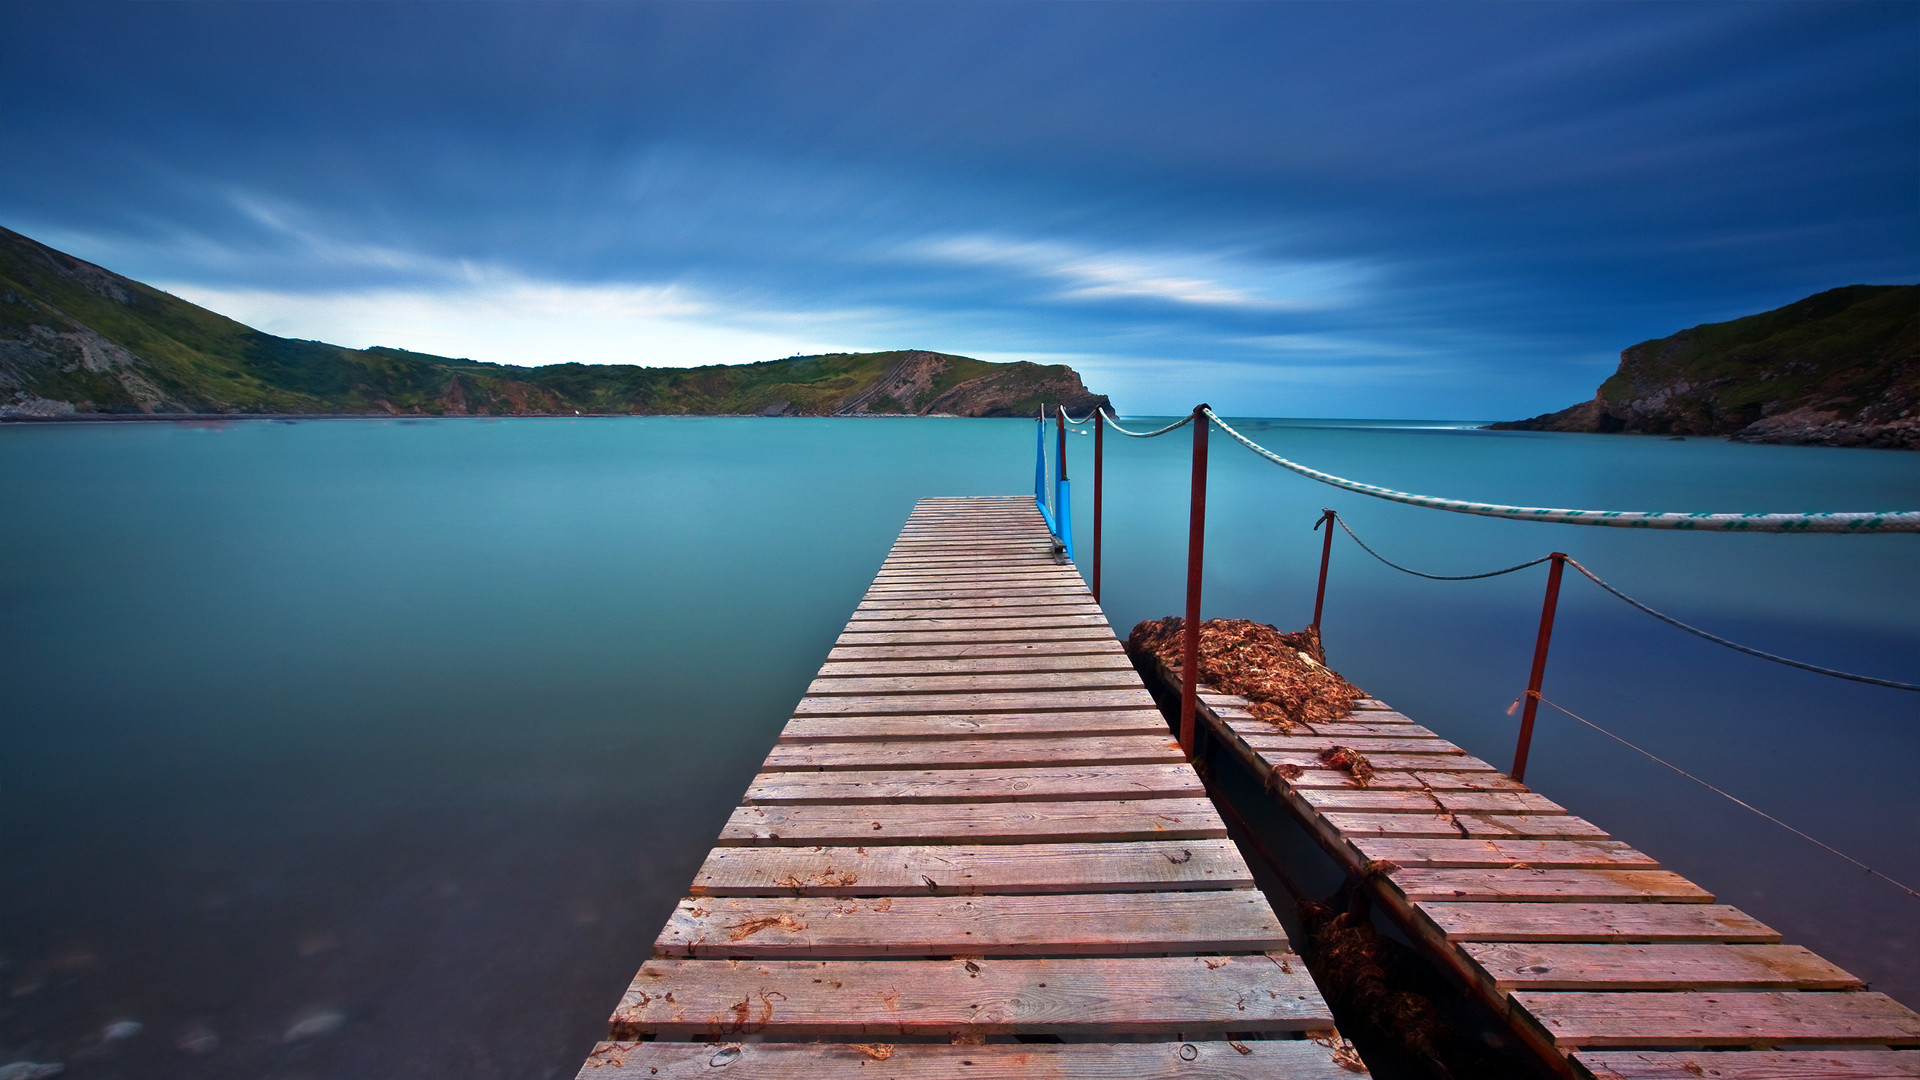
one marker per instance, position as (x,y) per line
(1840,368)
(78,341)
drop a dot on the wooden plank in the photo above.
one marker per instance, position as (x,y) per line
(1111,678)
(1253,1059)
(1188,996)
(1718,1018)
(972,753)
(1366,744)
(1563,886)
(1426,763)
(1321,778)
(948,590)
(974,726)
(1092,649)
(1021,822)
(1043,607)
(1749,1065)
(1656,967)
(1028,661)
(1596,922)
(975,785)
(1009,622)
(1516,826)
(997,635)
(971,869)
(1008,701)
(1521,854)
(1373,800)
(1068,924)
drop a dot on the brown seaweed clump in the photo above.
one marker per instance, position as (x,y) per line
(1284,677)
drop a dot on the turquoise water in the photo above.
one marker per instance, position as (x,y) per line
(357,748)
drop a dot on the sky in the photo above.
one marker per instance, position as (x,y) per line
(1434,210)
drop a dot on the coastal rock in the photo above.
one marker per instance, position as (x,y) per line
(1841,368)
(78,339)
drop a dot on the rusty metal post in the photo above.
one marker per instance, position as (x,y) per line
(1326,553)
(1196,541)
(1099,464)
(1539,665)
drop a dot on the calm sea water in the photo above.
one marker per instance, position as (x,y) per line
(347,749)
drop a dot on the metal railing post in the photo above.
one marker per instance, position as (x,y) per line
(1099,465)
(1539,665)
(1326,553)
(1196,541)
(1062,492)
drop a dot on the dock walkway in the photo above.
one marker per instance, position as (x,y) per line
(974,851)
(1625,970)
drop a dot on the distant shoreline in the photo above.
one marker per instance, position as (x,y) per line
(108,418)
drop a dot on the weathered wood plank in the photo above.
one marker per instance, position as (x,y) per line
(1321,778)
(1514,826)
(1072,924)
(1366,744)
(1425,763)
(1018,822)
(976,785)
(1009,622)
(1563,886)
(1090,649)
(1374,800)
(997,636)
(1545,966)
(973,726)
(1027,662)
(971,869)
(1718,1018)
(972,753)
(1188,996)
(1750,1065)
(978,682)
(983,702)
(1254,1059)
(1542,854)
(1498,921)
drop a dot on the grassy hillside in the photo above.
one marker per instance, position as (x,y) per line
(75,338)
(1838,368)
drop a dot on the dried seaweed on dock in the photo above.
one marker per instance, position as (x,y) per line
(1349,761)
(1284,677)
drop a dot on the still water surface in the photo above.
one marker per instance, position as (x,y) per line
(381,748)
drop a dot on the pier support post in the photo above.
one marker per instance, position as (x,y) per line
(1326,553)
(1539,665)
(1196,541)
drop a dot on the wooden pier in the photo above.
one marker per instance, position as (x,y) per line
(974,851)
(1609,965)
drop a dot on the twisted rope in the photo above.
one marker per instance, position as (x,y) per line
(1833,522)
(1114,423)
(1718,640)
(1068,417)
(1829,847)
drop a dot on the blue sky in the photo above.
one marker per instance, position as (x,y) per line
(1367,209)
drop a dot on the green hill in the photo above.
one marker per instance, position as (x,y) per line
(1840,368)
(78,339)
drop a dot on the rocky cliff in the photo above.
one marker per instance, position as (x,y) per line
(76,339)
(1841,368)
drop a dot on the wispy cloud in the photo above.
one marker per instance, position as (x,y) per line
(1204,280)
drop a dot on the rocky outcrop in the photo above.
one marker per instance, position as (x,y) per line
(1841,368)
(76,339)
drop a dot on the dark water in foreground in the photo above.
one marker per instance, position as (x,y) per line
(349,749)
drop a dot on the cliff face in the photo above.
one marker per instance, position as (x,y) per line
(1841,368)
(78,339)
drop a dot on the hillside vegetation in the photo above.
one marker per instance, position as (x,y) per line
(79,339)
(1840,368)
